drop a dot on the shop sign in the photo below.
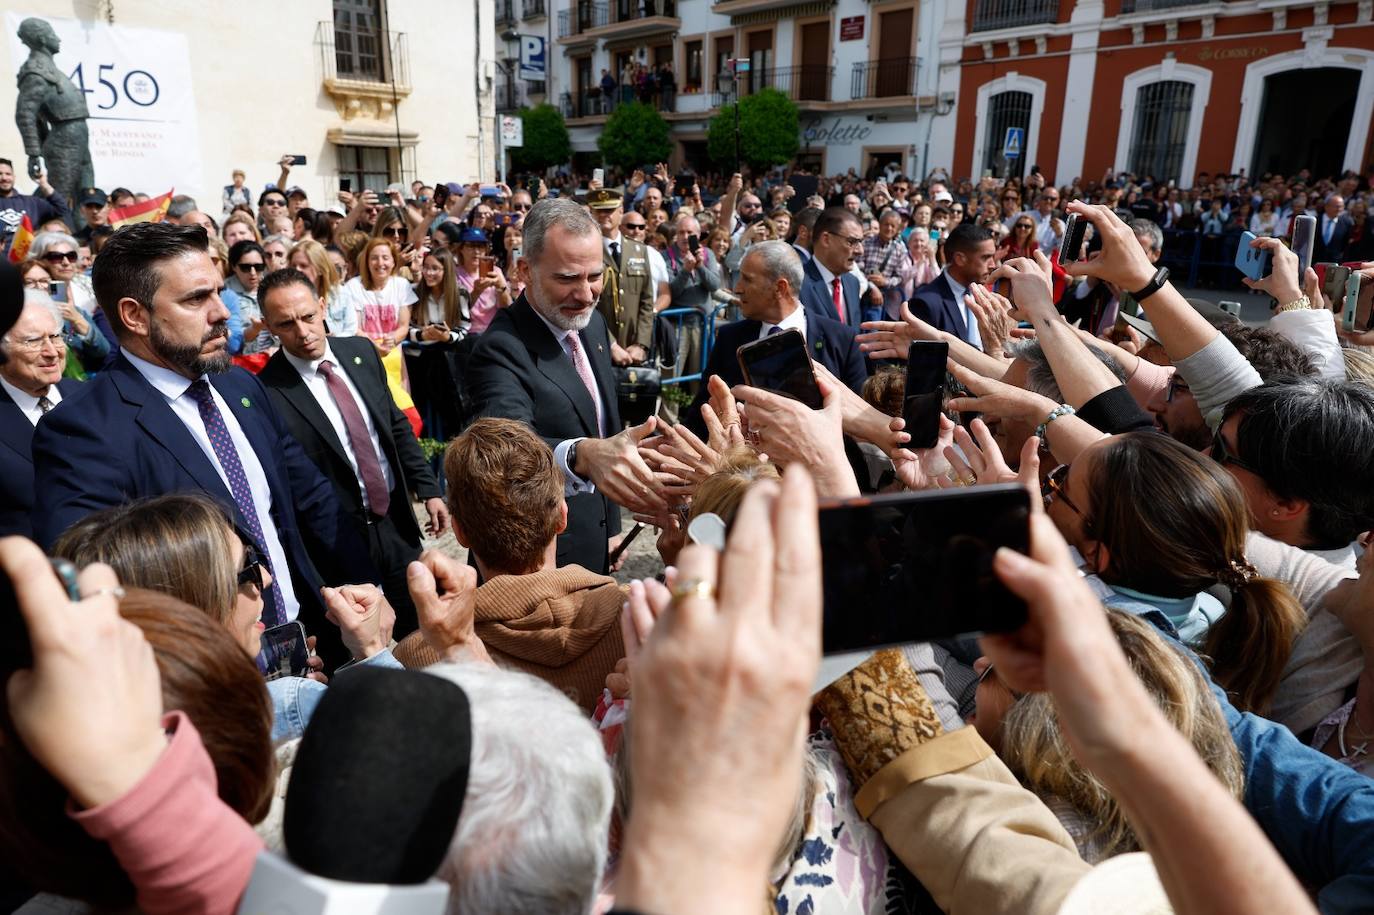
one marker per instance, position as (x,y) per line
(851,28)
(1251,53)
(838,132)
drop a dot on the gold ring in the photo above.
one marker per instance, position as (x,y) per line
(116,592)
(965,481)
(693,587)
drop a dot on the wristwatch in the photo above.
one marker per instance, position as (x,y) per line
(572,457)
(1154,285)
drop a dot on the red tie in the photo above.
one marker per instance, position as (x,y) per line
(839,298)
(369,467)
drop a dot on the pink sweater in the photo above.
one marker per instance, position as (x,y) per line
(183,848)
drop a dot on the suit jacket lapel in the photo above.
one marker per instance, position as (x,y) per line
(247,408)
(288,382)
(553,363)
(375,400)
(956,314)
(15,428)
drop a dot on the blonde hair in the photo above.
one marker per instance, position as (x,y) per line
(722,492)
(319,259)
(1359,364)
(1034,748)
(247,220)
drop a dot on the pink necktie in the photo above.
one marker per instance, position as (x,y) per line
(369,467)
(584,371)
(839,299)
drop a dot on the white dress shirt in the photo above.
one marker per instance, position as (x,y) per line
(796,320)
(173,388)
(318,387)
(27,403)
(829,279)
(572,483)
(974,338)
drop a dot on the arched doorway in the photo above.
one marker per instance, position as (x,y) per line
(1305,120)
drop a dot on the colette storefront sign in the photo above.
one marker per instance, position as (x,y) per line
(835,132)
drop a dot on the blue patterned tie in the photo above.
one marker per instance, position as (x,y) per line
(274,612)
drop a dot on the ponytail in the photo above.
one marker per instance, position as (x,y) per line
(1250,645)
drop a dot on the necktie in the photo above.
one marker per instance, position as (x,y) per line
(1326,234)
(44,404)
(775,329)
(369,467)
(615,252)
(838,297)
(275,610)
(584,371)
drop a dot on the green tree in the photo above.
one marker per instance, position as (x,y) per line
(546,140)
(768,131)
(635,134)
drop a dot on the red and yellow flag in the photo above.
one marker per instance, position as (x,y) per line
(23,237)
(148,211)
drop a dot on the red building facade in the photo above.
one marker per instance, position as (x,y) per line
(1155,87)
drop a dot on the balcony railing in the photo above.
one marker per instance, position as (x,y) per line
(587,15)
(585,104)
(362,54)
(800,84)
(1146,6)
(895,76)
(505,12)
(534,8)
(1007,14)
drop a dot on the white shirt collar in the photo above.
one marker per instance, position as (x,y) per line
(308,368)
(166,382)
(826,275)
(559,333)
(796,320)
(956,287)
(26,401)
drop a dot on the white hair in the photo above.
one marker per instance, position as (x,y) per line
(779,259)
(532,835)
(45,240)
(37,299)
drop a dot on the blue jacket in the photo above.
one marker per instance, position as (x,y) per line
(16,462)
(819,299)
(934,304)
(1318,813)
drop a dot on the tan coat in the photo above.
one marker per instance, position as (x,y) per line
(627,296)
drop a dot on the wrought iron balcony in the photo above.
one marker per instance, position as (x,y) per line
(888,78)
(505,12)
(588,103)
(533,9)
(1147,6)
(362,54)
(801,84)
(586,15)
(989,15)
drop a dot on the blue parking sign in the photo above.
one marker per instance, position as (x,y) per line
(1015,142)
(533,58)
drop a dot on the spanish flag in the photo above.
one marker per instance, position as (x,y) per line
(148,211)
(23,237)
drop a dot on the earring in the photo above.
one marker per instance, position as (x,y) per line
(1273,512)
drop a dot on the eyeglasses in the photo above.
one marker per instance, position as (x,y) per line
(1176,386)
(1222,454)
(851,242)
(251,572)
(36,344)
(70,257)
(521,207)
(256,268)
(393,232)
(1055,487)
(36,284)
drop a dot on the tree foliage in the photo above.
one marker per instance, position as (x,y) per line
(768,129)
(635,134)
(546,140)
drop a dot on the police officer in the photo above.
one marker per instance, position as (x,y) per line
(627,294)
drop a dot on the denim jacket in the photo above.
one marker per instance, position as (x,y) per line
(1318,813)
(294,698)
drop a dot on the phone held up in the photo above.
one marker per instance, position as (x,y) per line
(346,185)
(284,651)
(925,392)
(1358,314)
(1075,229)
(440,196)
(1253,262)
(779,363)
(1304,235)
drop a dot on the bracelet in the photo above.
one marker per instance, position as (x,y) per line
(1062,410)
(1301,303)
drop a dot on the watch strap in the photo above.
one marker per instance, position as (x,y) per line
(1156,283)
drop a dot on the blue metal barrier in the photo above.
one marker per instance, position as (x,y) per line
(1196,259)
(681,317)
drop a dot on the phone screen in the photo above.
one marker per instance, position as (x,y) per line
(284,651)
(440,196)
(345,184)
(1364,307)
(918,566)
(1304,233)
(1333,284)
(780,364)
(925,392)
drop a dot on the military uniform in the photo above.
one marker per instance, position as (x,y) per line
(628,292)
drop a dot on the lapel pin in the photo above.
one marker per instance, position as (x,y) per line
(245,401)
(600,348)
(357,360)
(818,344)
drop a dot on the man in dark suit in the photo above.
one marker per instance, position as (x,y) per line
(31,384)
(1333,232)
(171,415)
(769,277)
(970,254)
(546,361)
(332,394)
(829,289)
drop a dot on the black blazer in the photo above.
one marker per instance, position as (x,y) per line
(518,370)
(818,299)
(16,463)
(934,304)
(306,422)
(119,440)
(831,343)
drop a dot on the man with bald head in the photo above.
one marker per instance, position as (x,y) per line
(31,384)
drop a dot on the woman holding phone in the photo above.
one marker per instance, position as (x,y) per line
(484,284)
(382,301)
(439,321)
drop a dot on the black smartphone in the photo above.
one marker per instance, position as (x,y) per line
(1074,230)
(16,651)
(694,243)
(925,392)
(683,185)
(918,566)
(532,185)
(625,544)
(346,185)
(298,160)
(780,364)
(284,651)
(440,195)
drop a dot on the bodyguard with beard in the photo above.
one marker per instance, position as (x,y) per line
(172,415)
(546,361)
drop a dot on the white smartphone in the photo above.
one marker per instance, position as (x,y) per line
(599,175)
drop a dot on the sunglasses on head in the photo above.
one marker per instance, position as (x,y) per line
(256,268)
(251,571)
(53,257)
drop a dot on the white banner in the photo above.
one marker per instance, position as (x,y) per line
(138,92)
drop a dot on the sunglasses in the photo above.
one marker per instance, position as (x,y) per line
(1055,487)
(274,202)
(1223,455)
(393,232)
(251,572)
(53,257)
(1024,225)
(634,227)
(256,268)
(521,207)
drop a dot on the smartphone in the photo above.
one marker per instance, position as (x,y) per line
(1304,234)
(346,185)
(57,290)
(683,186)
(916,567)
(298,160)
(284,651)
(532,185)
(485,264)
(1333,284)
(599,175)
(694,243)
(624,544)
(1231,308)
(1253,262)
(1075,227)
(16,651)
(440,196)
(925,392)
(489,190)
(781,364)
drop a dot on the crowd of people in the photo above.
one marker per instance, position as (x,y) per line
(217,418)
